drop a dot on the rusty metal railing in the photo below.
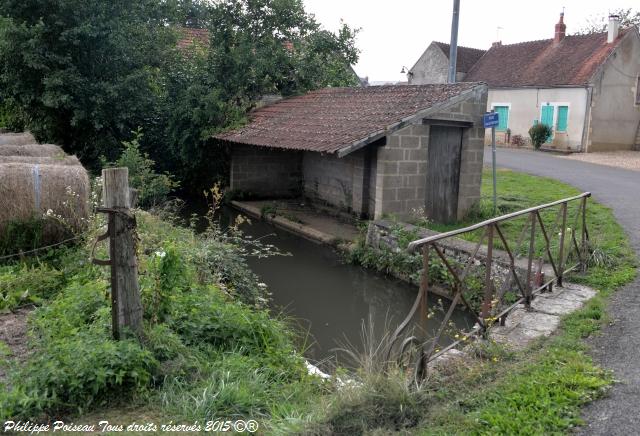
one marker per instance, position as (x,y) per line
(493,307)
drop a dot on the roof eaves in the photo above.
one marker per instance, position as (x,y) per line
(363,142)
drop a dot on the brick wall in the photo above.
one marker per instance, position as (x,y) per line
(266,172)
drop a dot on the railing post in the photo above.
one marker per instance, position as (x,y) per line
(488,288)
(585,250)
(424,285)
(532,243)
(563,229)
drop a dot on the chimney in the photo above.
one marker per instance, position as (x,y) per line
(613,28)
(561,30)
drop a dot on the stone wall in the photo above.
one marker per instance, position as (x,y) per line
(266,172)
(614,114)
(432,67)
(329,179)
(347,183)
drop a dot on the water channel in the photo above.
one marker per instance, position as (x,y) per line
(328,298)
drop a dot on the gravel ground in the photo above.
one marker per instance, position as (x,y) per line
(629,160)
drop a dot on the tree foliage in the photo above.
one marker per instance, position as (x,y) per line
(81,71)
(598,23)
(85,74)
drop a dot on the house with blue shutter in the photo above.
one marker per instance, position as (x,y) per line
(585,87)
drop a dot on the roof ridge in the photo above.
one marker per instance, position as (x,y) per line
(461,46)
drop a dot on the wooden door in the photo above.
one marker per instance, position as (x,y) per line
(443,173)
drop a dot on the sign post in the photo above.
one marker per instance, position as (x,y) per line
(491,119)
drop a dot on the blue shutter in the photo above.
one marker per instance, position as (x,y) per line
(503,117)
(563,117)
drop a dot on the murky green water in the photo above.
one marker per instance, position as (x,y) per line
(328,298)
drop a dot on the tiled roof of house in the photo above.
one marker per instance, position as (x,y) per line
(330,119)
(190,36)
(467,56)
(572,61)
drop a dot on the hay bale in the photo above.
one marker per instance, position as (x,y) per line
(17,138)
(32,150)
(64,160)
(34,188)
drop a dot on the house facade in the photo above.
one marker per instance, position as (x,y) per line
(368,151)
(433,64)
(585,87)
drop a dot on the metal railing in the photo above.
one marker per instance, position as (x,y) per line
(526,283)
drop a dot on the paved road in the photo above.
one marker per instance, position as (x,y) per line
(618,347)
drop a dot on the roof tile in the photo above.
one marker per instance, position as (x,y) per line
(330,119)
(572,61)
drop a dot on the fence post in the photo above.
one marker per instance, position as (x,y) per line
(563,229)
(585,249)
(488,282)
(126,305)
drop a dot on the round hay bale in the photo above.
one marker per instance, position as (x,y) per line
(17,138)
(64,160)
(35,188)
(32,150)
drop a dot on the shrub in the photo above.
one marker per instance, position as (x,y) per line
(518,140)
(75,374)
(539,134)
(24,284)
(153,188)
(21,235)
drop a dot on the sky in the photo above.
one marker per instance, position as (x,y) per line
(395,33)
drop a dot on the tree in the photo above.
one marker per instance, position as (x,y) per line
(82,71)
(84,74)
(257,47)
(598,24)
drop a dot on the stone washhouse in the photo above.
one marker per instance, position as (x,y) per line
(370,151)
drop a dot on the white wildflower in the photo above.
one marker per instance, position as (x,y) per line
(161,253)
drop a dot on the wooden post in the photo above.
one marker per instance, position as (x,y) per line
(125,294)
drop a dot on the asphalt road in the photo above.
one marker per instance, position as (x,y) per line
(618,347)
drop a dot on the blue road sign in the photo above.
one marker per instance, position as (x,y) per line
(490,119)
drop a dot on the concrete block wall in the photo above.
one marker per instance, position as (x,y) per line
(472,151)
(402,164)
(401,172)
(266,172)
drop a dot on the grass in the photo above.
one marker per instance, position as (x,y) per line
(542,389)
(212,351)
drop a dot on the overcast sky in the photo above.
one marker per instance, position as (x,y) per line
(396,32)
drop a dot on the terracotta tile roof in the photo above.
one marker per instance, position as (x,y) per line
(467,56)
(190,36)
(542,63)
(331,119)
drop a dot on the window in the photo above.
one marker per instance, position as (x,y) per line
(563,118)
(503,117)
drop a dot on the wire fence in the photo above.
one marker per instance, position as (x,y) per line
(46,247)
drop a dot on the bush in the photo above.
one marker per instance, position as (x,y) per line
(153,188)
(539,133)
(518,140)
(76,374)
(23,285)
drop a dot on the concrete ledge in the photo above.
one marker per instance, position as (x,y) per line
(523,326)
(306,232)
